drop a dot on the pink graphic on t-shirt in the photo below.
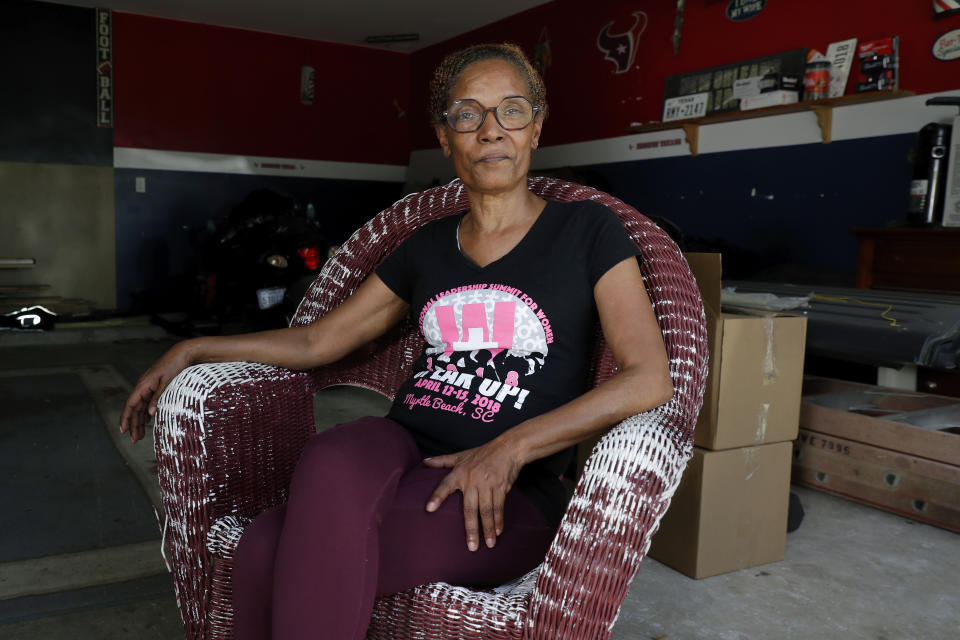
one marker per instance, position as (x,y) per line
(447,321)
(474,334)
(485,332)
(474,331)
(484,343)
(503,316)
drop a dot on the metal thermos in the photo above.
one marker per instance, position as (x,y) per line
(929,174)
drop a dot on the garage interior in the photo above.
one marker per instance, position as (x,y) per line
(109,207)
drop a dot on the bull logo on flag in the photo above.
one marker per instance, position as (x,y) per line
(944,8)
(621,48)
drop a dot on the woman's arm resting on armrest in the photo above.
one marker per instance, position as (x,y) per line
(642,383)
(486,473)
(368,313)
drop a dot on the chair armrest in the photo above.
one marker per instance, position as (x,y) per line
(623,492)
(227,438)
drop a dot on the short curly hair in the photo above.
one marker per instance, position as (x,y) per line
(447,73)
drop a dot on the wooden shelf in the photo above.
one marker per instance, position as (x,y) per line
(822,109)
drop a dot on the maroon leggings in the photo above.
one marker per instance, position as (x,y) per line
(355,527)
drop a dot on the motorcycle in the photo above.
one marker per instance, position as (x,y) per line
(255,264)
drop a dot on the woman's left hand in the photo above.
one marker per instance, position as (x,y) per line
(484,475)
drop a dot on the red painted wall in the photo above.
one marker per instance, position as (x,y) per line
(192,87)
(589,101)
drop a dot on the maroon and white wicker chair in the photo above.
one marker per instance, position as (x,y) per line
(228,436)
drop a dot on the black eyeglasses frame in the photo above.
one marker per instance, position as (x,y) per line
(486,110)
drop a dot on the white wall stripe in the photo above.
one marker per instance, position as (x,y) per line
(158,159)
(874,119)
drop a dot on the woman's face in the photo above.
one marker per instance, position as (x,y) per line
(490,159)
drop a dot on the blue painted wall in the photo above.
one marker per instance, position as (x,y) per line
(781,213)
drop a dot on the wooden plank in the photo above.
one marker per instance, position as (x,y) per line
(926,443)
(811,443)
(900,504)
(897,479)
(825,392)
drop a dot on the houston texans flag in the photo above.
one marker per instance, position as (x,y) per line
(621,48)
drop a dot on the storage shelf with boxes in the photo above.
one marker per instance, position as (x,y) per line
(730,510)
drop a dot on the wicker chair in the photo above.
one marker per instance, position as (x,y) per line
(228,436)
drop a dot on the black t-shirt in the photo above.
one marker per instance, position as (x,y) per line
(504,342)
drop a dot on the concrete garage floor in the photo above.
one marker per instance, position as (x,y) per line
(69,570)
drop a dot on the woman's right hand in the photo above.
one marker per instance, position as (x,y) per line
(142,403)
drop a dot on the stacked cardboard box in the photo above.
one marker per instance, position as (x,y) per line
(730,510)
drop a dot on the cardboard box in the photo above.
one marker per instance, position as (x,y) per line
(892,449)
(729,512)
(756,369)
(769,99)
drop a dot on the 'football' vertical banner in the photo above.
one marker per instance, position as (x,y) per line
(104,68)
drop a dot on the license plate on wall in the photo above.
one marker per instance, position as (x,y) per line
(270,297)
(683,107)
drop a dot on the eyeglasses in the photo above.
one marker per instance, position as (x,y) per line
(513,112)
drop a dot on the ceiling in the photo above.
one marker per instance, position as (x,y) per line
(343,21)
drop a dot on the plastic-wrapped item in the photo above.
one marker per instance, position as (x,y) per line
(770,302)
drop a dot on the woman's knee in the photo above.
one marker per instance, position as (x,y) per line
(357,449)
(258,544)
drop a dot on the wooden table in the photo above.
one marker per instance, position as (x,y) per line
(909,258)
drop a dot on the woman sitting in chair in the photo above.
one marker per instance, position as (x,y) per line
(506,296)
